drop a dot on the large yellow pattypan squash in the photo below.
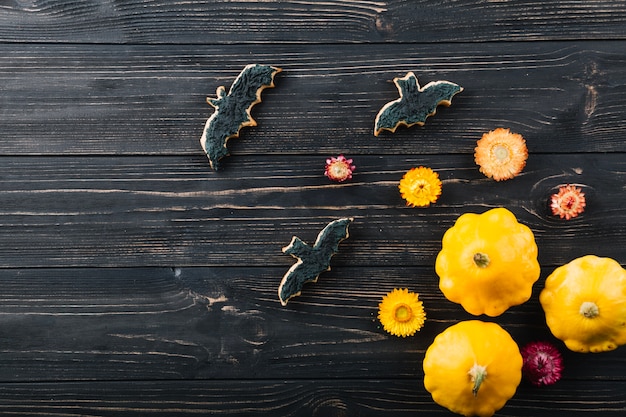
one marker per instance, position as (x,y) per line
(488,262)
(585,304)
(473,368)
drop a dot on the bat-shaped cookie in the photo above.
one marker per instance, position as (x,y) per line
(312,260)
(415,103)
(232,110)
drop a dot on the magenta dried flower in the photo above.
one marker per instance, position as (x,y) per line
(339,169)
(543,363)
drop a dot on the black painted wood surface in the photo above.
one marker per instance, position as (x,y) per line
(137,281)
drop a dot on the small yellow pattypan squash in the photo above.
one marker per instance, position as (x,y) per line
(585,304)
(488,262)
(473,368)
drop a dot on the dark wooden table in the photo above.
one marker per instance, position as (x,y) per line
(137,281)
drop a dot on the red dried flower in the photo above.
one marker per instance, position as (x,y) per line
(568,203)
(339,169)
(543,363)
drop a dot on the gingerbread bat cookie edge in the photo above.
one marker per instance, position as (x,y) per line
(296,240)
(221,143)
(420,90)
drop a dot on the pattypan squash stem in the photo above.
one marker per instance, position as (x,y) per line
(481,260)
(477,375)
(589,309)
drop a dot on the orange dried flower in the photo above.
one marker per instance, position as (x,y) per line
(420,186)
(568,203)
(501,154)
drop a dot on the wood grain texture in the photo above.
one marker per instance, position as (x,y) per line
(151,100)
(334,21)
(226,323)
(136,281)
(345,398)
(174,211)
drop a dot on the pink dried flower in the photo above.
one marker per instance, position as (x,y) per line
(568,203)
(543,363)
(339,169)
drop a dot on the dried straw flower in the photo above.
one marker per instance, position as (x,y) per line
(501,154)
(568,203)
(401,313)
(543,363)
(339,169)
(420,186)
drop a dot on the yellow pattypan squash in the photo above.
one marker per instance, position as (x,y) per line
(473,368)
(488,262)
(585,304)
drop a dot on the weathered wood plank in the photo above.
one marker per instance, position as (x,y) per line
(335,21)
(100,324)
(174,211)
(137,281)
(111,99)
(288,398)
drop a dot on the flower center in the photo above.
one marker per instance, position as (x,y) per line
(589,309)
(501,152)
(570,201)
(339,169)
(420,187)
(541,361)
(403,313)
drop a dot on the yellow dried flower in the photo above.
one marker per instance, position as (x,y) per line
(401,313)
(501,154)
(420,186)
